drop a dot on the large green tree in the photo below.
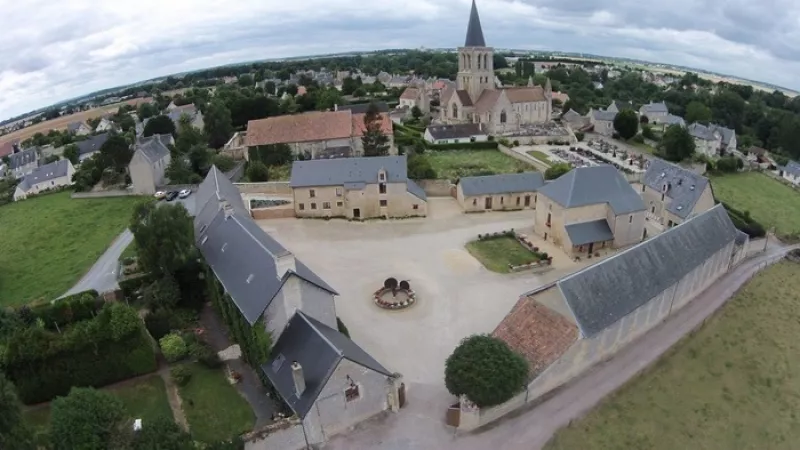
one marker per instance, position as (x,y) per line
(697,112)
(162,434)
(626,124)
(677,144)
(159,125)
(72,153)
(374,140)
(257,171)
(87,419)
(556,170)
(486,370)
(14,433)
(164,235)
(218,125)
(116,153)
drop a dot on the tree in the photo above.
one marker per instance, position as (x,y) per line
(72,153)
(87,419)
(420,168)
(272,154)
(626,124)
(556,170)
(246,80)
(200,159)
(416,113)
(163,293)
(698,112)
(350,84)
(164,236)
(375,142)
(328,98)
(116,153)
(677,144)
(146,110)
(51,158)
(257,171)
(218,125)
(180,172)
(486,370)
(159,125)
(173,347)
(14,433)
(162,434)
(223,162)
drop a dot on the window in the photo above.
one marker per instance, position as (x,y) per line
(474,202)
(518,199)
(302,206)
(382,188)
(339,204)
(338,192)
(383,203)
(662,197)
(313,206)
(630,219)
(326,205)
(382,176)
(416,206)
(455,111)
(312,193)
(643,188)
(351,393)
(503,117)
(501,200)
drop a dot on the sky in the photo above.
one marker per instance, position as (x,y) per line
(55,50)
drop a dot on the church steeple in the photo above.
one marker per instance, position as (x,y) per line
(474,30)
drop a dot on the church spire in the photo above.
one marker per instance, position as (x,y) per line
(474,30)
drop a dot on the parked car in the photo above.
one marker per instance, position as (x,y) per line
(184,193)
(172,195)
(160,195)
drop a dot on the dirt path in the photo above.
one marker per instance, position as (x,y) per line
(174,398)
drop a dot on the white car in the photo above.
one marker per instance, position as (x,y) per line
(184,193)
(160,195)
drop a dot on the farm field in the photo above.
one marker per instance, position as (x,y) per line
(769,201)
(453,164)
(735,383)
(48,242)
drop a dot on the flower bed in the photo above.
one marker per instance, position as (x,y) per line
(410,298)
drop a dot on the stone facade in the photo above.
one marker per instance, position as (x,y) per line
(363,202)
(496,202)
(657,203)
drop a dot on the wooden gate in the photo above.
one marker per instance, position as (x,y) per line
(453,417)
(401,394)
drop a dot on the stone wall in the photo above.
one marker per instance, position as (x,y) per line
(268,187)
(272,213)
(101,194)
(285,435)
(437,188)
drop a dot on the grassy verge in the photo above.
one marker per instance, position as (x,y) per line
(769,201)
(280,173)
(47,243)
(734,384)
(130,251)
(453,164)
(214,409)
(642,146)
(541,156)
(497,253)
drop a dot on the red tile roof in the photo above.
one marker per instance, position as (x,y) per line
(410,94)
(359,127)
(6,148)
(537,333)
(313,126)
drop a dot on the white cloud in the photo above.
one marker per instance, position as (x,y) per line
(71,48)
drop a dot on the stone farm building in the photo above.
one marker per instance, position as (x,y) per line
(499,192)
(150,160)
(566,327)
(356,188)
(590,208)
(456,134)
(317,135)
(672,194)
(326,379)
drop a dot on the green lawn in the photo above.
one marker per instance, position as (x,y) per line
(642,146)
(735,384)
(497,253)
(769,201)
(280,173)
(453,164)
(541,156)
(130,251)
(213,407)
(47,243)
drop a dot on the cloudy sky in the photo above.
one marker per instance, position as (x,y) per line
(54,50)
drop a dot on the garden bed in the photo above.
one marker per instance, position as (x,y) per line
(454,164)
(504,253)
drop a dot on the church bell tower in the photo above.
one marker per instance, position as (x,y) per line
(475,60)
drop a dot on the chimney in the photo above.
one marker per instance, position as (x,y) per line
(284,263)
(227,207)
(298,378)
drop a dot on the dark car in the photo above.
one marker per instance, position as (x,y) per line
(171,195)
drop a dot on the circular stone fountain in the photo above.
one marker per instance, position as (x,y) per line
(394,295)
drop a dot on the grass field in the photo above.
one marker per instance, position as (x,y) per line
(541,156)
(453,164)
(214,409)
(769,201)
(734,384)
(47,243)
(497,253)
(642,146)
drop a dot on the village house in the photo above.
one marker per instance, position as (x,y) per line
(151,157)
(712,140)
(191,111)
(654,111)
(673,194)
(477,99)
(456,134)
(416,96)
(619,105)
(589,208)
(502,192)
(90,146)
(356,188)
(55,175)
(574,120)
(23,162)
(790,172)
(602,121)
(79,128)
(316,135)
(104,125)
(327,380)
(662,123)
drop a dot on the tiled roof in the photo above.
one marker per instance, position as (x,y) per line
(362,108)
(525,94)
(582,233)
(307,127)
(594,185)
(461,130)
(501,184)
(602,294)
(464,97)
(684,187)
(359,126)
(487,100)
(411,93)
(6,148)
(539,334)
(337,172)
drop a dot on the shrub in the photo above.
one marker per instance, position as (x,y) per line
(638,138)
(489,145)
(158,323)
(202,352)
(516,143)
(173,347)
(181,374)
(419,168)
(67,310)
(163,293)
(86,418)
(342,328)
(556,170)
(486,370)
(579,135)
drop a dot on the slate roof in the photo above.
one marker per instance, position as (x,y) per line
(671,119)
(653,108)
(215,189)
(622,105)
(337,172)
(55,169)
(457,131)
(23,158)
(792,168)
(92,144)
(464,97)
(501,184)
(571,116)
(318,349)
(707,133)
(684,187)
(608,116)
(154,147)
(361,108)
(474,29)
(602,294)
(582,233)
(593,185)
(415,190)
(74,126)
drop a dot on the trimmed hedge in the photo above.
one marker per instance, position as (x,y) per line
(59,313)
(111,347)
(743,222)
(131,286)
(488,145)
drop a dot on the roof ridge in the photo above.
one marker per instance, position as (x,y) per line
(260,244)
(325,338)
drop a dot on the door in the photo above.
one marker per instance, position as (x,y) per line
(591,247)
(488,203)
(453,416)
(401,394)
(357,213)
(527,200)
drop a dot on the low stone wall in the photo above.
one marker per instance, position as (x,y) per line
(286,434)
(101,194)
(507,151)
(272,213)
(565,139)
(269,187)
(438,188)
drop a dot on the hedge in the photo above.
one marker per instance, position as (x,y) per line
(743,222)
(111,347)
(59,313)
(130,286)
(488,145)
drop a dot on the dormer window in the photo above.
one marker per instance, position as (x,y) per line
(382,176)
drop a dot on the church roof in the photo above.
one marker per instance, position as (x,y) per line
(525,94)
(464,97)
(474,30)
(487,100)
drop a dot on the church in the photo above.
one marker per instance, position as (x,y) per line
(477,99)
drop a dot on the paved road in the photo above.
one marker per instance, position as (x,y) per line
(411,429)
